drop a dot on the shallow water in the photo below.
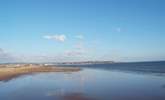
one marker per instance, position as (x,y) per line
(88,84)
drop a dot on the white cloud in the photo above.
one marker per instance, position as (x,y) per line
(79,46)
(74,53)
(60,38)
(77,50)
(79,37)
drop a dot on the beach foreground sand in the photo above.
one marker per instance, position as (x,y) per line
(7,73)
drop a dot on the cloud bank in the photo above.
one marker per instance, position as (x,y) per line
(5,56)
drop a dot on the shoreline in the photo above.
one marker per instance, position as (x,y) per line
(7,73)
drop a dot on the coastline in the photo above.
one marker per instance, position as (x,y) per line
(7,73)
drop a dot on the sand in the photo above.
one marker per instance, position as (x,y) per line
(7,73)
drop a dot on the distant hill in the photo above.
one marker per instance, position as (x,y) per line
(86,62)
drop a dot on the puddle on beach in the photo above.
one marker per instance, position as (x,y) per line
(87,84)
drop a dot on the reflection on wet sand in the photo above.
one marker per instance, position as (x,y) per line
(163,86)
(70,96)
(76,93)
(57,92)
(76,96)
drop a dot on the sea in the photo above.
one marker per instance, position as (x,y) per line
(115,81)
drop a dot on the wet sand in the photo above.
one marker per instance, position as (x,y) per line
(76,96)
(7,73)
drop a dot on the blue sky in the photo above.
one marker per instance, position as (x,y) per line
(78,30)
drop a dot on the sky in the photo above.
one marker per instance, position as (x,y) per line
(82,30)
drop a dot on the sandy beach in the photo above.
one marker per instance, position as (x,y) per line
(7,73)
